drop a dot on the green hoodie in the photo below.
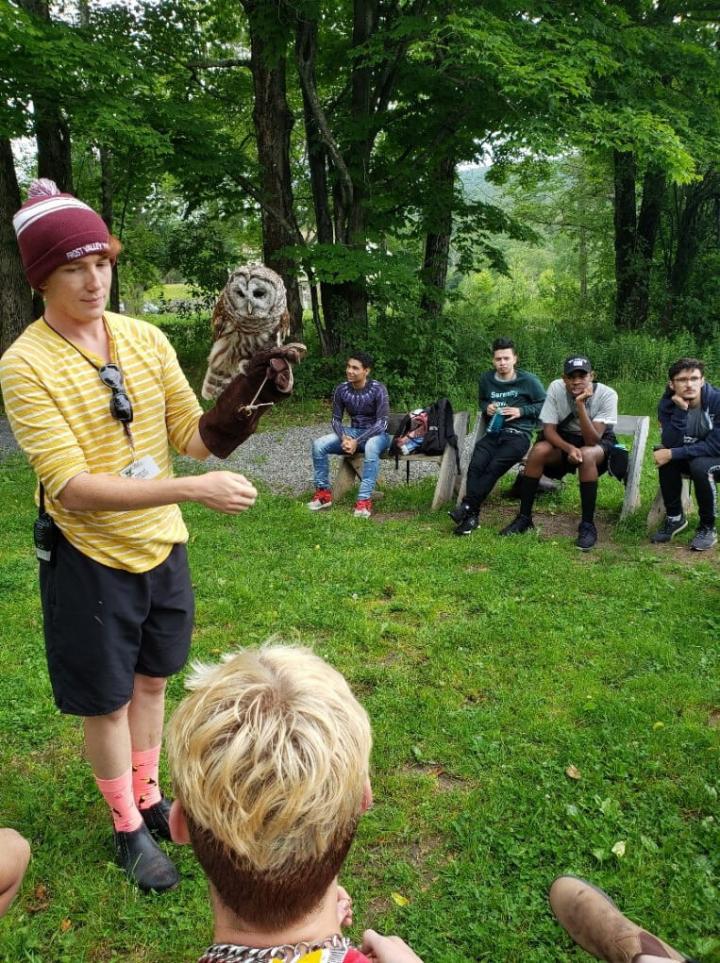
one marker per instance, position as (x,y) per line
(525,392)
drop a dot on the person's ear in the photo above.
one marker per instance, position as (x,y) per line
(178,824)
(367,797)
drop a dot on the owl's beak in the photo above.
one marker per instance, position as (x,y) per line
(249,307)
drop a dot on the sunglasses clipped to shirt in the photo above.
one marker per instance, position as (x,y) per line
(120,405)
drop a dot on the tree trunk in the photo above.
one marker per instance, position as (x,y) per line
(635,237)
(625,217)
(687,241)
(107,192)
(16,302)
(344,304)
(583,264)
(273,122)
(51,130)
(437,239)
(651,208)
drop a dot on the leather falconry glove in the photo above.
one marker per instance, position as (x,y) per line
(237,411)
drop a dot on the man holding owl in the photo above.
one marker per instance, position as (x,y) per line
(95,400)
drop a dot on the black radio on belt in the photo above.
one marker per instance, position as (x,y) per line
(44,532)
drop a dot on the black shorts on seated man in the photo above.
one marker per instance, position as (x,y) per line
(689,414)
(516,397)
(577,419)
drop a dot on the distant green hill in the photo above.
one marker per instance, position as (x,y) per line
(476,186)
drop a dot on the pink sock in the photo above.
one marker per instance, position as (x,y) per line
(145,777)
(118,795)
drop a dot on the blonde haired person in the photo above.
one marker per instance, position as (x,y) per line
(269,755)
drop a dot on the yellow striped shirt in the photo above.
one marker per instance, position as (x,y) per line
(59,411)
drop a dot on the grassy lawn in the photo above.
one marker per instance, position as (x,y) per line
(488,666)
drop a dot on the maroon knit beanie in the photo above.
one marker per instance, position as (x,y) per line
(54,228)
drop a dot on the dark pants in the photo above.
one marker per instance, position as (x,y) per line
(704,472)
(492,457)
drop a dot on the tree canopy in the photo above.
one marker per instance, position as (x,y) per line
(328,140)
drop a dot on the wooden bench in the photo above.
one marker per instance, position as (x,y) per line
(448,481)
(636,426)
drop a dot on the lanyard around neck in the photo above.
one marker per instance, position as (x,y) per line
(125,425)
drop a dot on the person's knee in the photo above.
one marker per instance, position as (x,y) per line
(16,850)
(14,859)
(539,453)
(118,717)
(373,449)
(149,685)
(698,471)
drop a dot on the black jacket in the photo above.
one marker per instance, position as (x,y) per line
(673,423)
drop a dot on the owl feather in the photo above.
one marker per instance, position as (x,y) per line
(250,316)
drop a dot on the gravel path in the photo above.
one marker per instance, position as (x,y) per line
(280,459)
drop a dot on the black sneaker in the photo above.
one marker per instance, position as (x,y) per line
(670,528)
(520,524)
(468,525)
(587,536)
(459,513)
(143,860)
(705,538)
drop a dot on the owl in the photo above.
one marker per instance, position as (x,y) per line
(250,316)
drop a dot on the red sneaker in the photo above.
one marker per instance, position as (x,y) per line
(363,508)
(321,499)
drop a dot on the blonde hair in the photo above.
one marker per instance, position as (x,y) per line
(269,755)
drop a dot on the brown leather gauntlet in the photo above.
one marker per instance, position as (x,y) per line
(238,409)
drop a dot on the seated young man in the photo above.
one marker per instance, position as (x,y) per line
(14,859)
(516,396)
(689,414)
(367,403)
(577,419)
(270,755)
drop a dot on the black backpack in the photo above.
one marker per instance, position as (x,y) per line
(440,430)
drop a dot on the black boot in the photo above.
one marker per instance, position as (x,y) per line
(157,819)
(144,862)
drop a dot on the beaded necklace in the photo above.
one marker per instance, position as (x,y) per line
(287,952)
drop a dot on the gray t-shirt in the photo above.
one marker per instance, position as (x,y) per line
(559,403)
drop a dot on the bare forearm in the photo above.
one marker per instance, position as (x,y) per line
(111,493)
(590,434)
(550,433)
(196,447)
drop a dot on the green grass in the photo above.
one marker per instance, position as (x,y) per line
(168,292)
(488,666)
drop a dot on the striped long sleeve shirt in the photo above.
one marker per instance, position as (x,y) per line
(59,411)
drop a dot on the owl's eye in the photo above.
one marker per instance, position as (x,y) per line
(258,293)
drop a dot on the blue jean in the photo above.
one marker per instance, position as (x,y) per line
(371,449)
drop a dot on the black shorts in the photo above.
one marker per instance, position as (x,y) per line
(102,625)
(566,467)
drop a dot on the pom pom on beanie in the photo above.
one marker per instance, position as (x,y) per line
(53,228)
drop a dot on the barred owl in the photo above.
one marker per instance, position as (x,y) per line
(250,316)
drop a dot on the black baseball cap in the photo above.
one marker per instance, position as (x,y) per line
(577,363)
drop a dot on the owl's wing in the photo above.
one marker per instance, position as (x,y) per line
(221,323)
(283,329)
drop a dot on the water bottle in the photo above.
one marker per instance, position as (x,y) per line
(496,422)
